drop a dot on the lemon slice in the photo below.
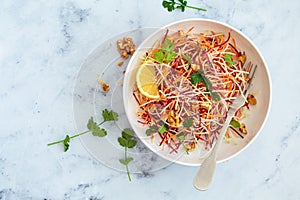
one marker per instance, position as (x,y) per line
(146,81)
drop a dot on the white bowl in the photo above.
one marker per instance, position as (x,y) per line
(261,86)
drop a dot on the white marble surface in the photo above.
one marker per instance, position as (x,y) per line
(43,43)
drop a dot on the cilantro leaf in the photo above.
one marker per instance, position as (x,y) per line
(170,56)
(181,137)
(159,56)
(122,161)
(109,115)
(122,141)
(151,129)
(166,53)
(126,141)
(196,78)
(127,133)
(100,133)
(188,122)
(180,4)
(126,161)
(188,58)
(206,81)
(66,143)
(215,96)
(168,45)
(200,77)
(235,123)
(94,128)
(131,143)
(163,128)
(228,59)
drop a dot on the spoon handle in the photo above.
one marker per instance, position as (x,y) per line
(205,174)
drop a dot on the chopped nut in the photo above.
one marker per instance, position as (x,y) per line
(206,105)
(195,67)
(171,121)
(242,58)
(126,47)
(120,64)
(190,146)
(243,129)
(251,99)
(105,86)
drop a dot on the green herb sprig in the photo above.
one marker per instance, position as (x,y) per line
(92,127)
(235,123)
(188,122)
(126,141)
(179,4)
(200,77)
(228,59)
(166,53)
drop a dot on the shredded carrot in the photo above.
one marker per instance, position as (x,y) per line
(180,99)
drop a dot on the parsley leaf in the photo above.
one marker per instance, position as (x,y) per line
(127,133)
(181,137)
(188,58)
(66,143)
(109,115)
(131,143)
(151,129)
(159,56)
(215,96)
(235,123)
(100,133)
(196,78)
(122,141)
(166,53)
(163,128)
(92,126)
(228,59)
(188,122)
(180,4)
(200,77)
(127,161)
(126,141)
(168,45)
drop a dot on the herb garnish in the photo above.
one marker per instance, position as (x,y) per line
(188,58)
(180,4)
(228,59)
(166,53)
(181,137)
(92,127)
(127,142)
(163,128)
(152,129)
(200,77)
(235,123)
(188,122)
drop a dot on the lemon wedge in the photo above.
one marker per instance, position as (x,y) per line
(146,81)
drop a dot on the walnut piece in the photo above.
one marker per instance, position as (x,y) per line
(243,129)
(120,64)
(190,146)
(126,47)
(105,86)
(251,99)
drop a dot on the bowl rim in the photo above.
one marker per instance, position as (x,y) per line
(126,76)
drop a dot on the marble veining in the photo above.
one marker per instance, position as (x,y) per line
(42,46)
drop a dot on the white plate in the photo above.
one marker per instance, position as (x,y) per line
(89,100)
(261,86)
